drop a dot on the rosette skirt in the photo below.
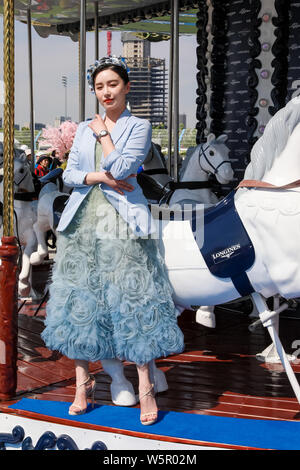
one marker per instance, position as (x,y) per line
(110,296)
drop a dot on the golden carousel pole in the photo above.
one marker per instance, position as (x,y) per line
(8,249)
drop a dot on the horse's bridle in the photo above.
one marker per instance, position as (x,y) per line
(21,180)
(215,168)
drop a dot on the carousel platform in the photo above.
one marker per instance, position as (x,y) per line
(220,395)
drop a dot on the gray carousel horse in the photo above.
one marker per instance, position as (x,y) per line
(35,202)
(25,207)
(204,160)
(201,162)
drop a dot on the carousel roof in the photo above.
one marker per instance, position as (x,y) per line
(151,18)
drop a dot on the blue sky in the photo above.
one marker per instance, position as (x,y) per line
(57,56)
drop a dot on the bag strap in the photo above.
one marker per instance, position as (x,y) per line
(265,185)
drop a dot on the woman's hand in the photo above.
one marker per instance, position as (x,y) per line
(120,186)
(97,124)
(117,185)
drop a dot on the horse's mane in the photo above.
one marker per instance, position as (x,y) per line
(274,139)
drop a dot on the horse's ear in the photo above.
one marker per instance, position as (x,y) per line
(222,138)
(20,154)
(210,137)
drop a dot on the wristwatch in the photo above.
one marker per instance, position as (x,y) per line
(102,133)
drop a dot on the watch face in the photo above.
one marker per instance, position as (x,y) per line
(103,133)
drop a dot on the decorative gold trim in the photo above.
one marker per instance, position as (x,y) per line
(38,23)
(8,128)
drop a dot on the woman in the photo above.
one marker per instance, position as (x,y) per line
(110,296)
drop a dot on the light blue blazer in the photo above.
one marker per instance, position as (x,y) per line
(132,139)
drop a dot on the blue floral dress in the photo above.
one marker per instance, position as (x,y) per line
(110,296)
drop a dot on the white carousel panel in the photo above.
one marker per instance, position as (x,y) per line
(81,437)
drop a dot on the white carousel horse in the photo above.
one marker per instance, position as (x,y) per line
(25,217)
(248,243)
(49,197)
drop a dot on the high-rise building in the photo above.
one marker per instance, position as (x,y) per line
(59,120)
(148,78)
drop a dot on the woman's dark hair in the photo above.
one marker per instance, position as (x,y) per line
(115,68)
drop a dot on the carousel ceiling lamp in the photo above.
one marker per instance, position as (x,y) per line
(160,11)
(148,15)
(115,21)
(126,20)
(138,16)
(104,23)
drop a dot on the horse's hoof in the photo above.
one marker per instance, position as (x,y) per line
(206,318)
(122,394)
(24,289)
(160,381)
(36,259)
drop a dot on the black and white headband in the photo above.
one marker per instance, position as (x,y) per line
(108,60)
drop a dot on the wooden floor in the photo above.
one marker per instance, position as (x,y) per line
(217,374)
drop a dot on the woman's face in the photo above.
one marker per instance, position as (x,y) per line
(111,90)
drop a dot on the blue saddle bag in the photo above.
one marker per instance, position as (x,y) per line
(227,248)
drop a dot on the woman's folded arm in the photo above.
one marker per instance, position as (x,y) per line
(124,163)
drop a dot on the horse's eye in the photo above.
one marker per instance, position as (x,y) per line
(211,153)
(22,170)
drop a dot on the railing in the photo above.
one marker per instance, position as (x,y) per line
(23,136)
(160,136)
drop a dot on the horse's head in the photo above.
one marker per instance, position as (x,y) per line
(213,158)
(23,181)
